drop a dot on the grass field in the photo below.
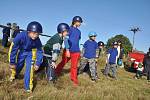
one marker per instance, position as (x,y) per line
(125,88)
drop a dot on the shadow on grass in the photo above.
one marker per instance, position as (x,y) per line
(64,71)
(129,68)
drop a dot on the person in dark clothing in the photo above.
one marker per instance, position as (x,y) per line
(6,34)
(17,31)
(147,65)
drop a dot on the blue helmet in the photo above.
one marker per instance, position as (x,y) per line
(62,27)
(100,43)
(35,27)
(77,19)
(92,34)
(119,62)
(115,43)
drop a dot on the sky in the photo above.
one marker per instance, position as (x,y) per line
(106,17)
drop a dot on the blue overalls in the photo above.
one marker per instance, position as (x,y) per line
(25,51)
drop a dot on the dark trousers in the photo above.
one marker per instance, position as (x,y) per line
(112,67)
(50,71)
(5,40)
(148,73)
(139,74)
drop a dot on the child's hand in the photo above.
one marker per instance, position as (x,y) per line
(96,59)
(67,53)
(36,67)
(53,65)
(12,66)
(106,61)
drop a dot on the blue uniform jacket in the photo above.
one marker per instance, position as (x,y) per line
(25,44)
(113,54)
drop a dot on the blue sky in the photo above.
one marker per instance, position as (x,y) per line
(106,17)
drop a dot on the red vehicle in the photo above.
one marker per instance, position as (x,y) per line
(136,57)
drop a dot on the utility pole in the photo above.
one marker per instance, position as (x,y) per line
(134,30)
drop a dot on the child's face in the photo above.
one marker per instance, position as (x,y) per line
(115,46)
(77,24)
(65,33)
(33,35)
(100,46)
(93,38)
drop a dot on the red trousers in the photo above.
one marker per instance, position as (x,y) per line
(74,57)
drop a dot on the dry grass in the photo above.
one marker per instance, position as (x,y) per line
(125,88)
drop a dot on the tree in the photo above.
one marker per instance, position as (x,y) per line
(126,44)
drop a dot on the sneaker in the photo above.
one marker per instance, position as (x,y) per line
(28,91)
(11,79)
(94,80)
(51,81)
(97,77)
(115,78)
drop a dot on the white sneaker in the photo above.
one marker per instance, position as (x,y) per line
(28,91)
(11,79)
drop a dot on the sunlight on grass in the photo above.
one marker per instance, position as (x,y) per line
(125,88)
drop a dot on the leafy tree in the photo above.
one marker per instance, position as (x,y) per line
(126,44)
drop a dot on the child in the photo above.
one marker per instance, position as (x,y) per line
(73,50)
(28,49)
(101,47)
(120,55)
(52,50)
(147,65)
(139,71)
(89,56)
(111,61)
(99,51)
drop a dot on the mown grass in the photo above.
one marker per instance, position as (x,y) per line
(125,88)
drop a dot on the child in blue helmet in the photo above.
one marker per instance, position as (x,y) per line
(52,50)
(89,56)
(99,53)
(26,48)
(72,52)
(111,61)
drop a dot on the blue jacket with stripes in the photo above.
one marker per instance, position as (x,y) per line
(25,44)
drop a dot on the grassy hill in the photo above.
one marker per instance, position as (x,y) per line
(125,88)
